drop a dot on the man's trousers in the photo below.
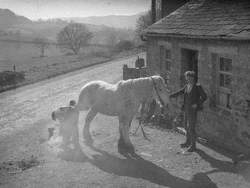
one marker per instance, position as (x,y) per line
(190,115)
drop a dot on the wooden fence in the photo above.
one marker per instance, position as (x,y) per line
(131,73)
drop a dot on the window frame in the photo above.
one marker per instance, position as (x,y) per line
(165,62)
(225,73)
(223,90)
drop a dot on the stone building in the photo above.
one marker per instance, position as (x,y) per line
(211,37)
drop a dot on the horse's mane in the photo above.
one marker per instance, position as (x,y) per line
(140,87)
(140,82)
(133,83)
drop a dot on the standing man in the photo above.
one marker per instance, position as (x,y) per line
(194,96)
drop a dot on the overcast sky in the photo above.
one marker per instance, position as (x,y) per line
(35,9)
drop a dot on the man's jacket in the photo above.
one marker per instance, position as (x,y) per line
(196,96)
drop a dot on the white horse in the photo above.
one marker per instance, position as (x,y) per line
(123,100)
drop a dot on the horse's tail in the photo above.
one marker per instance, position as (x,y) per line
(80,106)
(87,96)
(85,101)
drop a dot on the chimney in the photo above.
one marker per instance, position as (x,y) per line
(169,6)
(153,11)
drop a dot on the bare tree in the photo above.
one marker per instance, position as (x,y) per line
(143,22)
(41,43)
(111,39)
(73,37)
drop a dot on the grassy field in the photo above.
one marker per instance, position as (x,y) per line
(26,58)
(22,55)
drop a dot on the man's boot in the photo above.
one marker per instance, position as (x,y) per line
(192,147)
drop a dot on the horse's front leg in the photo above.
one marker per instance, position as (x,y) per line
(124,143)
(86,133)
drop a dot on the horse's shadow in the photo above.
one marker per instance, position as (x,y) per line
(226,166)
(137,167)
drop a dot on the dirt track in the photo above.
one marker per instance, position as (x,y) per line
(25,116)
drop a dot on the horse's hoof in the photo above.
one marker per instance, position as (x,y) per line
(121,143)
(122,150)
(129,148)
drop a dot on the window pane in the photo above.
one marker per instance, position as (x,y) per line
(161,56)
(167,54)
(168,64)
(228,101)
(222,82)
(222,99)
(222,67)
(225,64)
(228,81)
(225,100)
(228,64)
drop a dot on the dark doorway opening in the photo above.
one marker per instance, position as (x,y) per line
(189,62)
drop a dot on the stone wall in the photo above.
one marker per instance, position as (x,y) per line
(241,100)
(228,128)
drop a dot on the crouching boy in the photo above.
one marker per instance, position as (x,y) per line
(68,124)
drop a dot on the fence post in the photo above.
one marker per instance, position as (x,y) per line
(125,70)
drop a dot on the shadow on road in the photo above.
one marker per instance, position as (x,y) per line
(137,167)
(225,166)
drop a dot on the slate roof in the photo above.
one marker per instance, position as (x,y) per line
(228,19)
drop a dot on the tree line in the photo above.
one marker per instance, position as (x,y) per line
(75,36)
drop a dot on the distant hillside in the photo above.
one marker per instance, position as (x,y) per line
(14,27)
(9,18)
(117,21)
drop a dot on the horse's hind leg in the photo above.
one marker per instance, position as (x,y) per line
(86,134)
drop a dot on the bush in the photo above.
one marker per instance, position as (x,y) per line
(124,45)
(11,77)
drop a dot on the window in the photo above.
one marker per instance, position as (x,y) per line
(225,72)
(167,59)
(165,54)
(225,82)
(221,82)
(225,99)
(161,57)
(248,104)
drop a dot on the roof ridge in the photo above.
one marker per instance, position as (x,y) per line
(206,18)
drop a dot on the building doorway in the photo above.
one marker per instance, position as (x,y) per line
(189,62)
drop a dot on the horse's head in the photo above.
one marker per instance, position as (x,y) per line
(160,90)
